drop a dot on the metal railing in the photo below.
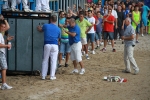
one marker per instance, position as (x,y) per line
(55,5)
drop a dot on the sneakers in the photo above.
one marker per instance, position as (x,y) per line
(114,50)
(83,52)
(142,35)
(87,57)
(137,42)
(66,65)
(14,9)
(38,10)
(101,43)
(136,72)
(52,78)
(125,71)
(82,71)
(28,10)
(75,71)
(109,43)
(97,47)
(47,10)
(5,86)
(93,52)
(59,65)
(43,77)
(103,50)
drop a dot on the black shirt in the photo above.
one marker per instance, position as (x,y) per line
(120,19)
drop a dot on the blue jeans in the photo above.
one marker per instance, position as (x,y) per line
(138,29)
(64,48)
(98,36)
(90,37)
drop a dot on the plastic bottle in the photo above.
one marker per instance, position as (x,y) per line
(10,44)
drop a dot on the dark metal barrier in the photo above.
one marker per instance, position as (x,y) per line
(27,46)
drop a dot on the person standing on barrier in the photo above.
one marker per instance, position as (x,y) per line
(3,62)
(14,4)
(75,45)
(42,5)
(129,41)
(51,37)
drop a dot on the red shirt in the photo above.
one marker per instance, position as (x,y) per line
(109,27)
(95,22)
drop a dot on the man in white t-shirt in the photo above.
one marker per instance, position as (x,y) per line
(91,33)
(3,62)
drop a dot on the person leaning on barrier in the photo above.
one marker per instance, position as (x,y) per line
(51,36)
(129,43)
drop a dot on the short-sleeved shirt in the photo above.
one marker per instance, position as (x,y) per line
(64,36)
(62,21)
(127,33)
(99,25)
(109,27)
(51,33)
(91,20)
(121,17)
(76,38)
(2,42)
(83,26)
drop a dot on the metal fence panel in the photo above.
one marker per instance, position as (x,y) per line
(11,53)
(38,42)
(24,44)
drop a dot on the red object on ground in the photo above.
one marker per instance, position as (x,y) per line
(125,80)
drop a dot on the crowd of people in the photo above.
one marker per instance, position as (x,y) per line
(101,25)
(80,32)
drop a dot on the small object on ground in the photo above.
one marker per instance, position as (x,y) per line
(114,79)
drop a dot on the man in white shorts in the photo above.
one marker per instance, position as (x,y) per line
(75,45)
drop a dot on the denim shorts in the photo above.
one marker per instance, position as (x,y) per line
(90,36)
(64,48)
(108,34)
(3,62)
(138,29)
(98,36)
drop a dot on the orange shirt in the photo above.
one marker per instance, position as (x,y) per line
(109,27)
